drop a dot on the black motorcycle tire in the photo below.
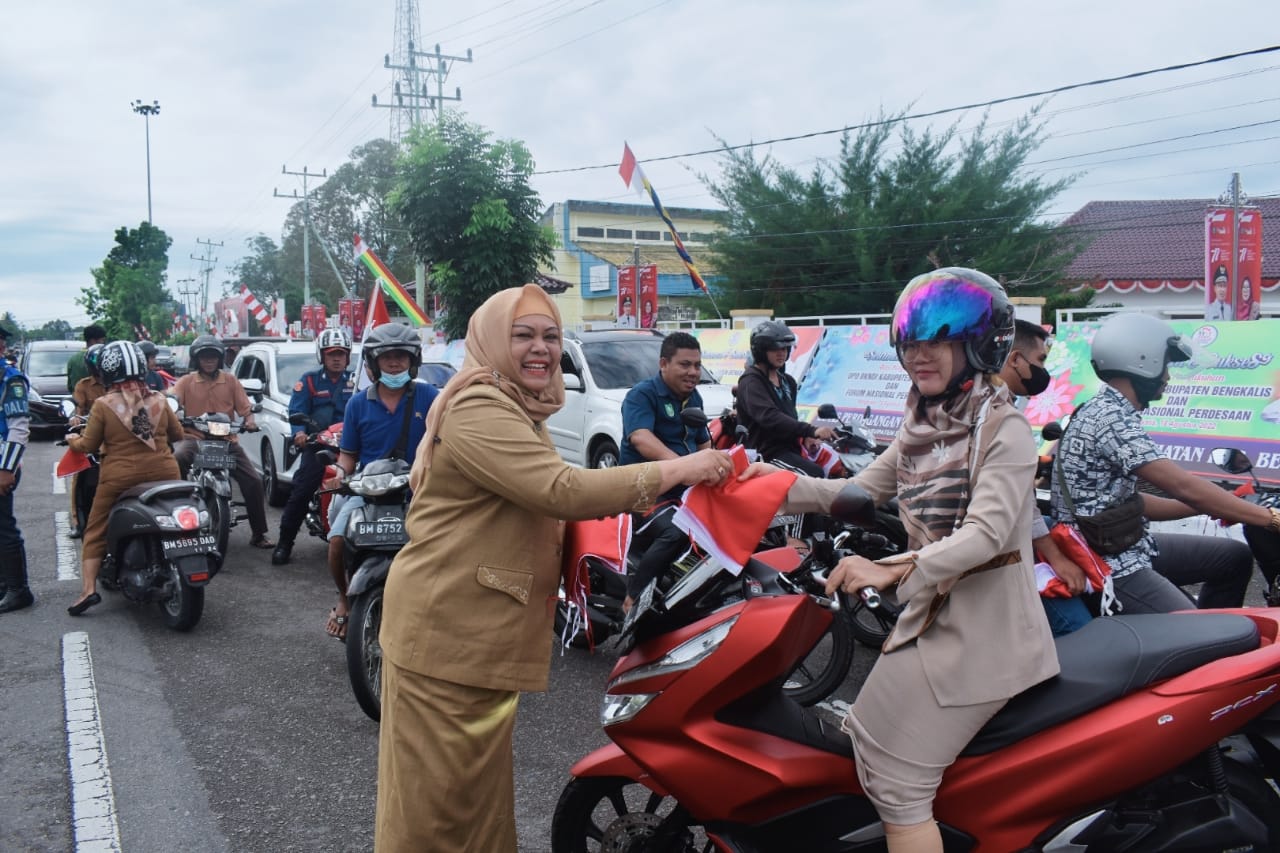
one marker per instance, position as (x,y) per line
(825,667)
(219,521)
(277,493)
(364,652)
(872,625)
(182,610)
(597,813)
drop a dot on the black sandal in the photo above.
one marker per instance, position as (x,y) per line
(91,600)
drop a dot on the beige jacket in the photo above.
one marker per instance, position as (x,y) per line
(472,597)
(990,639)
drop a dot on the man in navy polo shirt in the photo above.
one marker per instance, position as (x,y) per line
(389,418)
(652,430)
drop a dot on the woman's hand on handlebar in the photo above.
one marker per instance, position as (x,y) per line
(853,573)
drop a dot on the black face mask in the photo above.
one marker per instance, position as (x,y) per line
(1037,381)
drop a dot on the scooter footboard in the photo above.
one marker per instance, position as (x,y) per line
(610,760)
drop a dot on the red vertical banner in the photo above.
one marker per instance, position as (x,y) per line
(1249,265)
(345,320)
(1218,222)
(313,320)
(627,298)
(357,318)
(649,296)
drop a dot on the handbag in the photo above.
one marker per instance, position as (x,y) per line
(1114,530)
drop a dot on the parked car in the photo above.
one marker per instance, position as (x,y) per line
(268,371)
(436,372)
(165,359)
(599,369)
(45,364)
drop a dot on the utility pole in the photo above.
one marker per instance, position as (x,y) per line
(412,71)
(1236,201)
(186,293)
(207,265)
(306,224)
(147,111)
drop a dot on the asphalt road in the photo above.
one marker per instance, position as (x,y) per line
(241,735)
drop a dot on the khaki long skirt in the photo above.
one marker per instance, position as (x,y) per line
(445,772)
(903,739)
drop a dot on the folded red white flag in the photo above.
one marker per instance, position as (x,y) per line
(72,462)
(727,520)
(605,539)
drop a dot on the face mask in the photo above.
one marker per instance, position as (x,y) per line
(1037,381)
(395,380)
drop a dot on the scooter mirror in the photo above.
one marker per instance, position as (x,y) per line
(68,408)
(1052,431)
(693,417)
(1231,460)
(828,412)
(854,505)
(173,403)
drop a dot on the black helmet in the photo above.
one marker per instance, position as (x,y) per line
(768,336)
(121,360)
(956,304)
(204,343)
(390,337)
(92,355)
(148,349)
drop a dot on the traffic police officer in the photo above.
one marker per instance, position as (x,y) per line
(321,395)
(15,427)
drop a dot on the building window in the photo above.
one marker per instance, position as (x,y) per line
(698,237)
(618,233)
(584,231)
(666,235)
(648,235)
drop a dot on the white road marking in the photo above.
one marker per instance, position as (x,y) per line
(93,805)
(59,484)
(68,551)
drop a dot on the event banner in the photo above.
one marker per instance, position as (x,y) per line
(727,352)
(855,368)
(1218,223)
(627,296)
(1228,395)
(1249,265)
(232,317)
(648,278)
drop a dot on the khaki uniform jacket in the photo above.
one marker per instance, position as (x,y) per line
(471,598)
(199,396)
(990,639)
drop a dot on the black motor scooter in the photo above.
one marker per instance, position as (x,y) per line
(1263,541)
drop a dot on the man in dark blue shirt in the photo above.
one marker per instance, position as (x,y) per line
(652,430)
(322,396)
(387,419)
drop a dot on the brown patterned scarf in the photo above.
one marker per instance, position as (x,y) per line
(138,408)
(935,454)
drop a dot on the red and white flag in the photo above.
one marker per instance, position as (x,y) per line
(728,520)
(256,308)
(629,169)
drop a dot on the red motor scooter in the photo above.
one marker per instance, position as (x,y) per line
(1161,733)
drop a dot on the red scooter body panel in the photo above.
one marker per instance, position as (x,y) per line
(727,773)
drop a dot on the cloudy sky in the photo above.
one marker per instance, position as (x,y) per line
(247,87)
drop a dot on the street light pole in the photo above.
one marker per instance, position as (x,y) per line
(147,111)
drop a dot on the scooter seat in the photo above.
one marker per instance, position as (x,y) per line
(1112,657)
(147,492)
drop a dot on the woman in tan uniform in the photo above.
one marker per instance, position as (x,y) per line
(972,633)
(131,427)
(469,602)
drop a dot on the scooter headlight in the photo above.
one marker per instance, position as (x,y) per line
(684,656)
(619,709)
(218,428)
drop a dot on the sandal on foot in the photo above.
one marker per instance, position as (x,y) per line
(262,541)
(84,604)
(336,626)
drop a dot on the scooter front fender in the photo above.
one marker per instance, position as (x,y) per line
(610,760)
(372,571)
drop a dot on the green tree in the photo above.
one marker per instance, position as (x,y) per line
(54,330)
(844,238)
(471,214)
(129,288)
(10,323)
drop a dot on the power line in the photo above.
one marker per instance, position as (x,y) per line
(933,113)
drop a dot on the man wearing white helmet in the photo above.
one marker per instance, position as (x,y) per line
(322,396)
(1105,451)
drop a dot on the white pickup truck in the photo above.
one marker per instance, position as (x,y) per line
(599,369)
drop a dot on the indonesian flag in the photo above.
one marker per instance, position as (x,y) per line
(1097,571)
(604,539)
(824,457)
(629,169)
(72,462)
(728,519)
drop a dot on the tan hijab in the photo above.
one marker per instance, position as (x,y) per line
(488,360)
(139,409)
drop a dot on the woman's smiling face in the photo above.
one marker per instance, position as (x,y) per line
(933,364)
(535,349)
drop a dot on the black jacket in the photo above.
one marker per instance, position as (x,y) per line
(769,413)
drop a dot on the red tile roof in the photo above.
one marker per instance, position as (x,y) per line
(1157,239)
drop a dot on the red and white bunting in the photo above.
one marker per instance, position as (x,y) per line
(255,307)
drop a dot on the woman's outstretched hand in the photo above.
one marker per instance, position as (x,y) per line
(706,466)
(757,469)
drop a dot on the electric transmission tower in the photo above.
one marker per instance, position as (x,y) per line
(417,76)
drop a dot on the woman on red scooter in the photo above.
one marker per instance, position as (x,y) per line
(972,633)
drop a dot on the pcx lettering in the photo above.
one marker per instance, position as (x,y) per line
(1248,700)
